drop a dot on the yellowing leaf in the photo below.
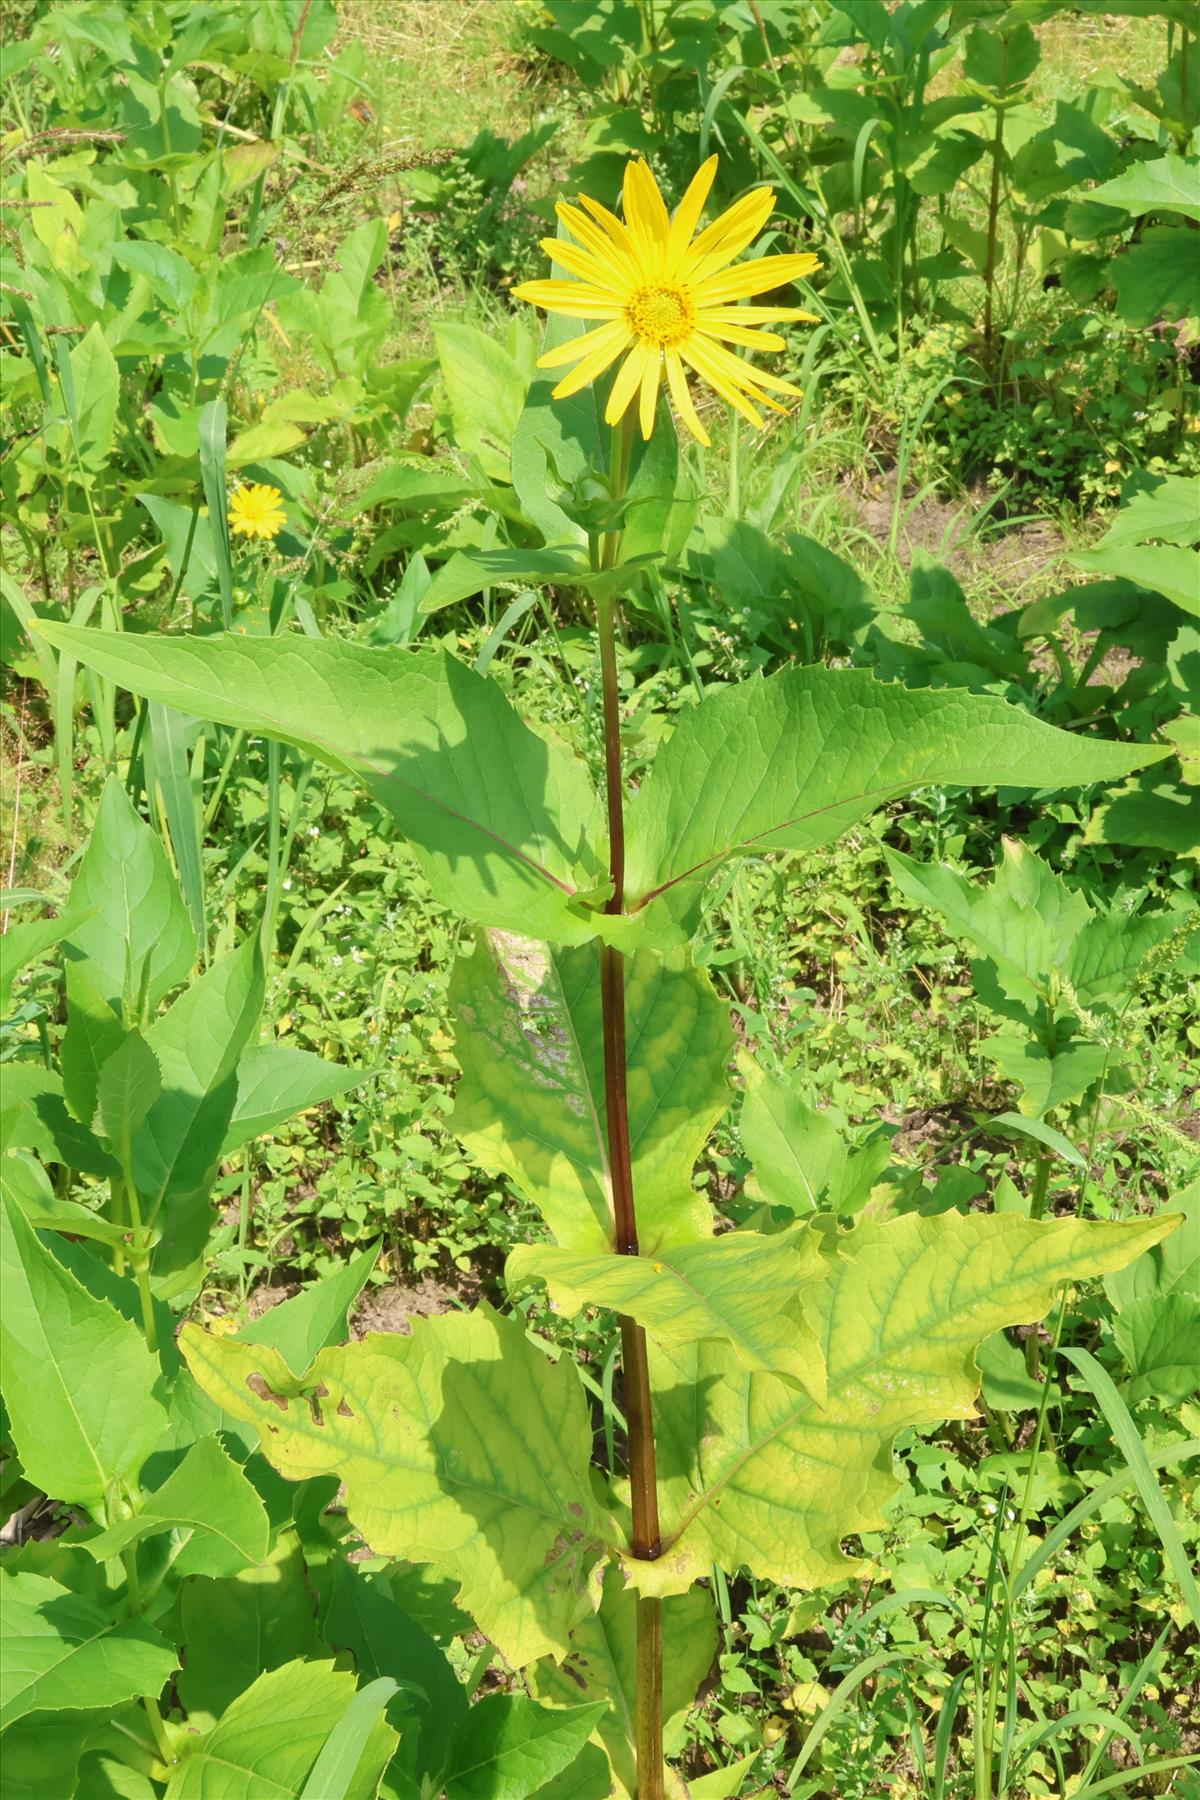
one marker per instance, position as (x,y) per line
(742,1287)
(461,1446)
(755,1473)
(258,442)
(531,1101)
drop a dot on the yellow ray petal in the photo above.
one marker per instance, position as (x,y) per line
(610,341)
(645,211)
(627,382)
(685,406)
(573,299)
(603,246)
(687,213)
(589,268)
(738,334)
(648,400)
(728,236)
(745,373)
(616,228)
(751,315)
(573,349)
(753,278)
(696,353)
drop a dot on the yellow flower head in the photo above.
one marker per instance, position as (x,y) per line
(667,298)
(257,511)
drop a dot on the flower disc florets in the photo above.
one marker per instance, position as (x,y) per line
(661,315)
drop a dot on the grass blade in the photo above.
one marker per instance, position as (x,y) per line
(331,1774)
(1134,1451)
(173,778)
(1131,1694)
(1164,1457)
(213,422)
(825,1718)
(1112,1782)
(945,1733)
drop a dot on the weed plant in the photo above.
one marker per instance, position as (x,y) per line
(405,769)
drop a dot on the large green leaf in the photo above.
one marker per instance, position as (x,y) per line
(1166,1268)
(1039,934)
(41,1753)
(789,762)
(1169,569)
(314,1317)
(39,1120)
(1047,1079)
(276,1080)
(531,1102)
(337,1769)
(1025,920)
(740,1287)
(507,1747)
(1158,278)
(1159,1337)
(128,1083)
(137,941)
(61,1653)
(560,446)
(27,1184)
(24,944)
(94,1031)
(602,1665)
(556,445)
(801,1160)
(503,824)
(364,1619)
(78,1378)
(510,1511)
(199,1044)
(92,389)
(233,1629)
(1155,508)
(264,1745)
(1152,815)
(754,1472)
(210,1503)
(1167,184)
(485,385)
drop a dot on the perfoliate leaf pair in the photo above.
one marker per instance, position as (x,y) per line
(464,1446)
(508,828)
(744,1289)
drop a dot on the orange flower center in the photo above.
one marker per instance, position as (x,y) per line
(660,315)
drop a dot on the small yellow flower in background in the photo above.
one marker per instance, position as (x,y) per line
(667,298)
(257,511)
